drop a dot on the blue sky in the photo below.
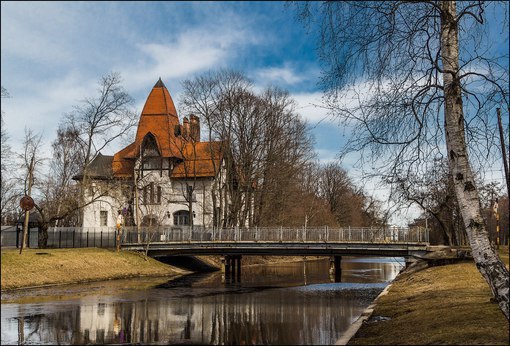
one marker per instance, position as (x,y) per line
(53,54)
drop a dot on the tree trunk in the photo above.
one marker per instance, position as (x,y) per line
(42,239)
(486,258)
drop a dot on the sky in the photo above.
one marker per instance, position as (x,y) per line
(54,53)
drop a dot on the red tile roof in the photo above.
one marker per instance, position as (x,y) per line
(159,118)
(200,160)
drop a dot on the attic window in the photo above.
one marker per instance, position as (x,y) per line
(150,147)
(151,158)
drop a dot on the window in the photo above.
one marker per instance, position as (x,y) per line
(103,218)
(181,218)
(151,163)
(151,158)
(150,147)
(152,194)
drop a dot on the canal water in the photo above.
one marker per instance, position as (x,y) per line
(290,303)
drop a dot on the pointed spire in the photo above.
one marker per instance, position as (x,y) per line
(159,84)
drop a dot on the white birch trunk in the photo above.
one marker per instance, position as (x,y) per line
(485,256)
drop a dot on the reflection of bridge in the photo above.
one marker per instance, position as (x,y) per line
(234,243)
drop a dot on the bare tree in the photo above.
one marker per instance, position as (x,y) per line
(61,191)
(30,161)
(264,141)
(100,120)
(434,193)
(8,191)
(412,78)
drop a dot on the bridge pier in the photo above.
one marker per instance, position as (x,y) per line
(231,268)
(335,268)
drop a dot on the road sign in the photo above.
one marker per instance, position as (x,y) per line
(26,203)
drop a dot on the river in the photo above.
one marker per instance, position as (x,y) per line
(289,303)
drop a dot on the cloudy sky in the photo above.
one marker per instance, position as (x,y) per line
(54,53)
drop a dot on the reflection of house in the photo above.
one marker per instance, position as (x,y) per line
(176,174)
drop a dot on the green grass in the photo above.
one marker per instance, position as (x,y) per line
(440,305)
(38,267)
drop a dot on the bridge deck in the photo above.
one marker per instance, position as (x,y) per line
(281,248)
(278,241)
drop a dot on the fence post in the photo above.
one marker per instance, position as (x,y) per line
(281,234)
(74,233)
(87,238)
(59,238)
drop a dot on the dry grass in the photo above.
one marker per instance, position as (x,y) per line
(37,267)
(439,305)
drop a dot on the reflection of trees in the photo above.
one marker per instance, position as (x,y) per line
(201,315)
(58,327)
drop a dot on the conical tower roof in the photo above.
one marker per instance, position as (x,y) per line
(159,101)
(159,117)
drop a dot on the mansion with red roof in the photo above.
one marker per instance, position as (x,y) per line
(166,176)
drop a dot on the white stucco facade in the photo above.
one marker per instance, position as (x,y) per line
(168,205)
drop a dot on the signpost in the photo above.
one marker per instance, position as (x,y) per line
(26,203)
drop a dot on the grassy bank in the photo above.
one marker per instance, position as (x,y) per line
(37,267)
(440,305)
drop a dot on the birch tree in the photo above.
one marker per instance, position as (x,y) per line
(417,81)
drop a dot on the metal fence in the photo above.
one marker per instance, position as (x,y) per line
(62,237)
(105,237)
(278,234)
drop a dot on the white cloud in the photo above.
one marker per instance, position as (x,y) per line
(279,75)
(311,108)
(40,106)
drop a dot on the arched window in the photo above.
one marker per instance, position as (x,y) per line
(181,218)
(151,158)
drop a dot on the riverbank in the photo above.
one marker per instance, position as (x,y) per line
(215,261)
(41,267)
(448,304)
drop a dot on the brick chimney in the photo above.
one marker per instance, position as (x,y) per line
(194,128)
(185,128)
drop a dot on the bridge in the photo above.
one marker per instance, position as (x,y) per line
(233,243)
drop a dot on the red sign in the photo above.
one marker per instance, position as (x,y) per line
(26,203)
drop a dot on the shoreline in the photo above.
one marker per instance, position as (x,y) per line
(365,315)
(10,290)
(39,268)
(14,264)
(445,304)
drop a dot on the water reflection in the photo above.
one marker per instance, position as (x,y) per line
(272,305)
